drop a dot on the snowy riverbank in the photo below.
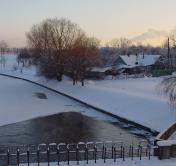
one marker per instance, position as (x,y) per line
(136,162)
(134,99)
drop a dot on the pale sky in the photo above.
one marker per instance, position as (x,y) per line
(104,19)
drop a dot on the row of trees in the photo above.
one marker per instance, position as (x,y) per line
(3,50)
(61,47)
(125,46)
(3,47)
(169,47)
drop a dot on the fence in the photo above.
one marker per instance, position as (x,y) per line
(159,73)
(131,76)
(73,152)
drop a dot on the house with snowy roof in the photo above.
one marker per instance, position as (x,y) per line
(136,63)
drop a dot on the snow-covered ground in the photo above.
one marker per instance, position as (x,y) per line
(133,99)
(136,162)
(19,101)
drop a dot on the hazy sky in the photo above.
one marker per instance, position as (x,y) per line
(104,19)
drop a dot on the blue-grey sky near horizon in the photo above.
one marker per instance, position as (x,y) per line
(104,19)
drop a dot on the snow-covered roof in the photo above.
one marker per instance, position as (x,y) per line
(166,143)
(98,69)
(139,60)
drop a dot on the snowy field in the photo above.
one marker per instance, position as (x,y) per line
(136,162)
(21,101)
(134,99)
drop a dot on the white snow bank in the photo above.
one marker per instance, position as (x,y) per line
(165,143)
(136,162)
(19,102)
(133,99)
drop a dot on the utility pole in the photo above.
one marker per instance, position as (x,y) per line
(169,54)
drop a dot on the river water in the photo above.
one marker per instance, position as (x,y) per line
(76,123)
(70,127)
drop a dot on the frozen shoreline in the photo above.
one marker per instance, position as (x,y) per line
(133,99)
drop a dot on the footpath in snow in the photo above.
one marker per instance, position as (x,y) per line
(134,99)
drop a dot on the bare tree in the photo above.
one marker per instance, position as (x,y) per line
(120,43)
(172,45)
(3,49)
(83,56)
(24,58)
(50,41)
(168,86)
(58,45)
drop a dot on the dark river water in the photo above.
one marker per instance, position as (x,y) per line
(79,124)
(70,127)
(66,127)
